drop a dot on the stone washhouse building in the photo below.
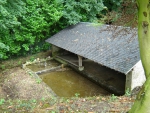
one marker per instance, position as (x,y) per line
(113,47)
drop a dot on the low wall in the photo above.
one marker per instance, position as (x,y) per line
(35,75)
(136,77)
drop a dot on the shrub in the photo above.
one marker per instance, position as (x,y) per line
(86,11)
(25,24)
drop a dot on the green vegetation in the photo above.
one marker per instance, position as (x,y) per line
(127,92)
(75,11)
(2,101)
(77,94)
(25,24)
(18,105)
(38,81)
(113,97)
(113,4)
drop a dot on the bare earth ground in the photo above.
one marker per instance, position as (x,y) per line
(17,86)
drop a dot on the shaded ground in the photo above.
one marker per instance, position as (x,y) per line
(20,92)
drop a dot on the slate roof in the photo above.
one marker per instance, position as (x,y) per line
(115,47)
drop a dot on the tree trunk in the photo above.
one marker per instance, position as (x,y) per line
(142,103)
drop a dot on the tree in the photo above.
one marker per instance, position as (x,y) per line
(141,105)
(25,24)
(10,11)
(81,10)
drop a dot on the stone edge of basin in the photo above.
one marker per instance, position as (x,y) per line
(36,76)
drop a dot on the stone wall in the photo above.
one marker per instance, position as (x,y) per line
(136,77)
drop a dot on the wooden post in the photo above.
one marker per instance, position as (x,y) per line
(80,63)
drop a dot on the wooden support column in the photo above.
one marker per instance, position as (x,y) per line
(80,63)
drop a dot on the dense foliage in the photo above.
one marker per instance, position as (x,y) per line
(10,10)
(75,11)
(113,4)
(25,24)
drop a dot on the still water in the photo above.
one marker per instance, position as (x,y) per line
(68,83)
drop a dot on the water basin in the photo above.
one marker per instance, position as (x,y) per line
(69,83)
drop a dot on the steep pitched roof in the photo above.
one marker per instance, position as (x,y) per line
(115,47)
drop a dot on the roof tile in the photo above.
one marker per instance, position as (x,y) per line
(115,47)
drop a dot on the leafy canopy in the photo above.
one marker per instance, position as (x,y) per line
(25,24)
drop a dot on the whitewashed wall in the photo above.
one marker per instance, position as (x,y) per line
(135,77)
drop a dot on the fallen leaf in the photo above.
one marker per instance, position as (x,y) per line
(97,98)
(9,107)
(83,100)
(103,99)
(50,108)
(41,104)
